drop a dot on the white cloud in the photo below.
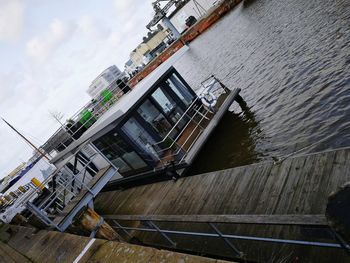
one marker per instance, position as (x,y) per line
(42,47)
(11,19)
(123,5)
(92,28)
(128,10)
(73,56)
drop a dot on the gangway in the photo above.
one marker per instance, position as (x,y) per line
(70,188)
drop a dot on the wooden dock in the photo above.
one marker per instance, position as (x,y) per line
(298,185)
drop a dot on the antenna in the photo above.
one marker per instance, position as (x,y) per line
(27,141)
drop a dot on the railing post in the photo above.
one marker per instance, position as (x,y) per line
(228,242)
(122,228)
(154,226)
(340,240)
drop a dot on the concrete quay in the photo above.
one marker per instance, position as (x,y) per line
(21,244)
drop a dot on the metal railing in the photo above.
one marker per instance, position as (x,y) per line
(150,224)
(48,200)
(99,105)
(63,187)
(45,182)
(196,113)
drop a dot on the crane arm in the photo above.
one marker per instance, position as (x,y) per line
(160,12)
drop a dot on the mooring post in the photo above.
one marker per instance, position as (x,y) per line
(91,221)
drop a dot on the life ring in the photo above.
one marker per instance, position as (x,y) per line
(208,99)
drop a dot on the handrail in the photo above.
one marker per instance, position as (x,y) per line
(86,106)
(174,141)
(37,190)
(75,121)
(214,221)
(291,219)
(47,180)
(172,129)
(178,136)
(187,139)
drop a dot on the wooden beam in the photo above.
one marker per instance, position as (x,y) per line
(310,220)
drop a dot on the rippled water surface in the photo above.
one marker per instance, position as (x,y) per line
(292,61)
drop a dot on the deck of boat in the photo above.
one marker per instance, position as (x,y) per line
(298,185)
(199,129)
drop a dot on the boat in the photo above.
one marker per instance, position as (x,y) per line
(155,130)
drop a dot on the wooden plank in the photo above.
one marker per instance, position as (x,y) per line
(184,196)
(323,177)
(9,255)
(258,188)
(212,193)
(273,188)
(310,220)
(253,191)
(217,195)
(300,187)
(340,171)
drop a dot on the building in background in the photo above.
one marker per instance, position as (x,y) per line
(193,8)
(104,80)
(129,68)
(152,45)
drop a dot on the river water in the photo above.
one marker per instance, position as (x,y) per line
(292,61)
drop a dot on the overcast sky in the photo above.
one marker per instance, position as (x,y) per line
(50,52)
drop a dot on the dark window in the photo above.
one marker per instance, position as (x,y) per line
(120,153)
(142,138)
(180,89)
(155,118)
(169,106)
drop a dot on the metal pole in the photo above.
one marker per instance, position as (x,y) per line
(153,225)
(340,240)
(251,238)
(119,226)
(43,154)
(217,231)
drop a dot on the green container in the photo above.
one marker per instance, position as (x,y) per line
(87,119)
(106,95)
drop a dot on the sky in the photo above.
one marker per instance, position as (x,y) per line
(50,51)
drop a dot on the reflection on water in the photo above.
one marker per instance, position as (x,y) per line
(292,61)
(231,144)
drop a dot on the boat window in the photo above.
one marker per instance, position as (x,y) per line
(155,118)
(121,154)
(180,89)
(141,138)
(168,105)
(164,100)
(134,159)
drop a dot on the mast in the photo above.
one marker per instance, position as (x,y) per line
(24,138)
